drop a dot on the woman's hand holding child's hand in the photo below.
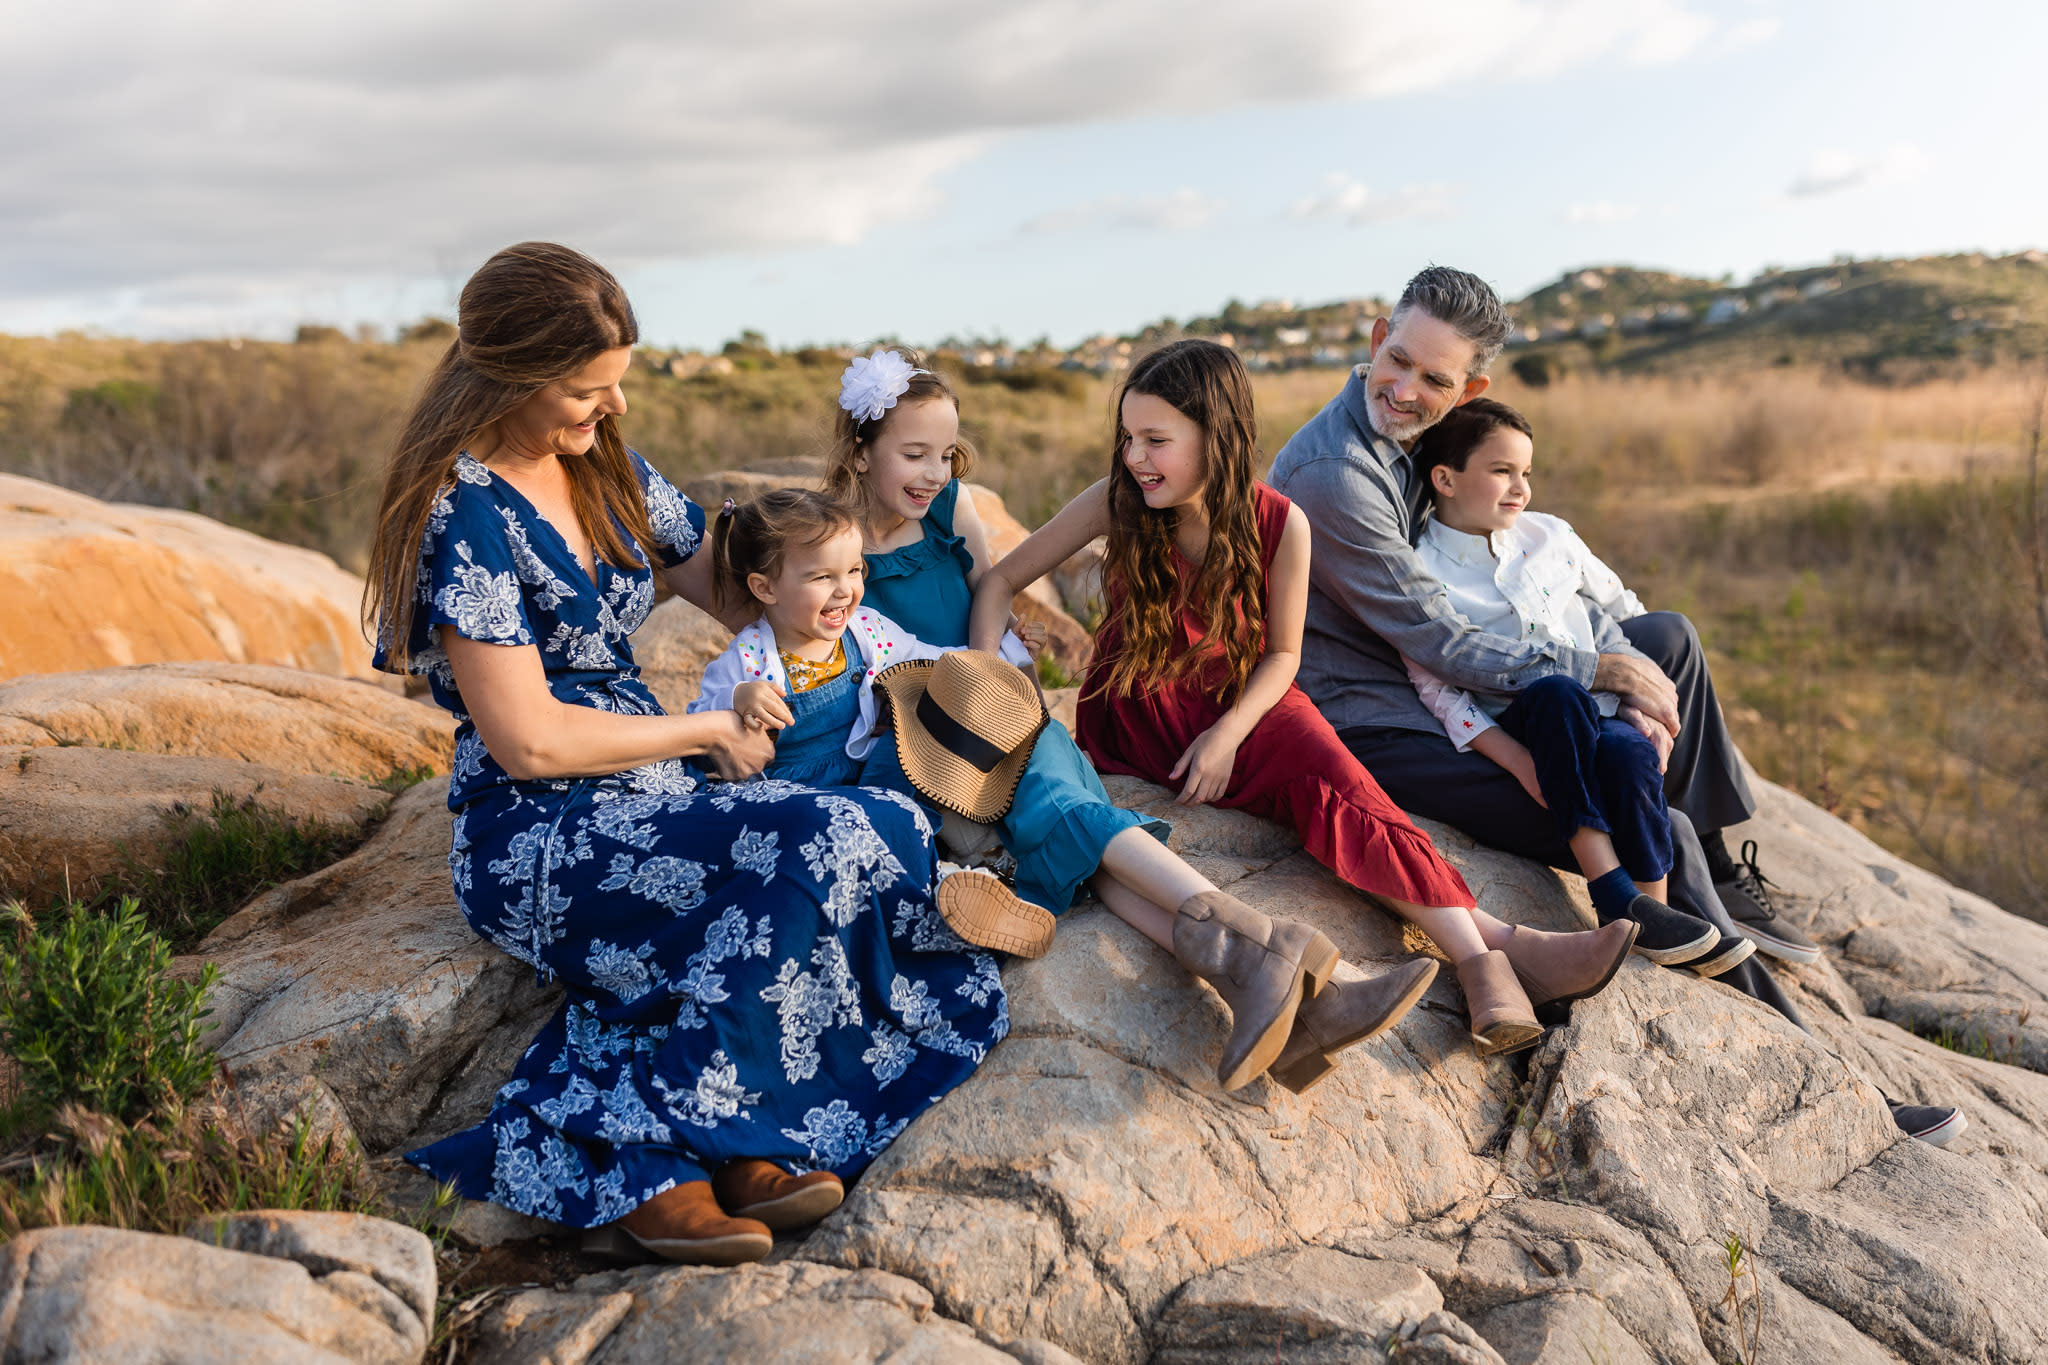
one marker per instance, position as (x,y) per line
(760,706)
(740,754)
(1207,763)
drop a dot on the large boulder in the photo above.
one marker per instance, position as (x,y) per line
(281,718)
(1090,1190)
(78,817)
(294,1288)
(86,584)
(365,979)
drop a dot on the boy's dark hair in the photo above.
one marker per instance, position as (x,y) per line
(1463,429)
(1465,302)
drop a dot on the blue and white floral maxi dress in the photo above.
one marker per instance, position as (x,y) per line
(752,969)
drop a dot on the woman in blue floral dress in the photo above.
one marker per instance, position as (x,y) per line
(760,993)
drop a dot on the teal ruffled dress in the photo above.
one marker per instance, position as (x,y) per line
(1061,819)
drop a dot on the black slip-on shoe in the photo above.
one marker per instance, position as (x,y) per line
(1934,1124)
(1728,951)
(1668,937)
(1747,899)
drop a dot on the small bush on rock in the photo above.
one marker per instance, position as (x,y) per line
(90,1016)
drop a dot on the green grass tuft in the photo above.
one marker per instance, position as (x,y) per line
(217,859)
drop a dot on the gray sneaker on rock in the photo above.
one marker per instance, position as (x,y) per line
(1747,900)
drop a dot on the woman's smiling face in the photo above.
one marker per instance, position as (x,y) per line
(910,460)
(562,418)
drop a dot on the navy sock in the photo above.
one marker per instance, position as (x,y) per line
(1612,894)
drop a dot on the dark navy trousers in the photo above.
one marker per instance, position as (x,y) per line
(1595,772)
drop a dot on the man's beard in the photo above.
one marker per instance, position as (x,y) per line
(1407,431)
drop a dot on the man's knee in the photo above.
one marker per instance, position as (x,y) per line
(1668,637)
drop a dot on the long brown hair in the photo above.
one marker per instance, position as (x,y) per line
(853,436)
(1207,384)
(756,537)
(534,313)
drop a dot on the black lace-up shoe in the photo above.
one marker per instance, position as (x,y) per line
(1748,901)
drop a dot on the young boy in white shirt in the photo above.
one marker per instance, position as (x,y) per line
(1526,574)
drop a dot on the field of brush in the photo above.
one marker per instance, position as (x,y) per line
(1865,561)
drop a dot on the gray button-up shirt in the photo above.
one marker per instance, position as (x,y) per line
(1370,600)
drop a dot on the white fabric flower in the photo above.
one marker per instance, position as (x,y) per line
(872,384)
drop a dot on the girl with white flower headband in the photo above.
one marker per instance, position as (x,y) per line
(898,458)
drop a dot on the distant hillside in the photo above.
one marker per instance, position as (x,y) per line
(1875,318)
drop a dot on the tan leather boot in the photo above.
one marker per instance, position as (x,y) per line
(764,1192)
(1502,1019)
(685,1224)
(1565,967)
(1262,968)
(1347,1012)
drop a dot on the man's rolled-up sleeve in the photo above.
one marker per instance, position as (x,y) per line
(1363,563)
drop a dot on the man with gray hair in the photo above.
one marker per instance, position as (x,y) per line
(1371,601)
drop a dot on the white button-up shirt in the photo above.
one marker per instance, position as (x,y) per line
(1534,581)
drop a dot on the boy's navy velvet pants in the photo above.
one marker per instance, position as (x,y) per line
(1595,772)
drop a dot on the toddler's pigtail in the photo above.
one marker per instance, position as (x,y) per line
(728,589)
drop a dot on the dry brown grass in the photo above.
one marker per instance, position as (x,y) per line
(1855,554)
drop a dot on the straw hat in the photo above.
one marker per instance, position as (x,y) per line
(965,725)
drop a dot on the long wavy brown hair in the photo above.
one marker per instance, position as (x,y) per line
(852,437)
(1207,384)
(534,313)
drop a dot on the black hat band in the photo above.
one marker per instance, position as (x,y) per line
(956,738)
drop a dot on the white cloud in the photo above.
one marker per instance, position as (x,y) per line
(1832,171)
(1750,33)
(1601,211)
(1348,200)
(1181,211)
(237,153)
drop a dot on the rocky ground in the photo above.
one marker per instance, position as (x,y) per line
(1089,1194)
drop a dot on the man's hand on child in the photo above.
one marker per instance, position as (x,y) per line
(1651,731)
(1642,685)
(761,707)
(1207,763)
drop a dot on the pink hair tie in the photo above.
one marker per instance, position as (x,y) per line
(728,509)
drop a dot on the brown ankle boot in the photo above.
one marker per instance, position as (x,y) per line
(977,906)
(1561,968)
(765,1192)
(685,1224)
(1262,968)
(1347,1012)
(1502,1019)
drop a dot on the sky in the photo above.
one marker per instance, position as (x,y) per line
(835,172)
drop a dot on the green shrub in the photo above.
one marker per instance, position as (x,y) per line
(1052,674)
(90,1016)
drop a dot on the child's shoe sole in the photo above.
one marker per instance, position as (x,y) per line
(988,914)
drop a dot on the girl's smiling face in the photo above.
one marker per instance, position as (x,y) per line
(910,460)
(1163,451)
(811,598)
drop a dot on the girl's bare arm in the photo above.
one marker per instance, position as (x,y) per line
(967,525)
(532,734)
(1044,550)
